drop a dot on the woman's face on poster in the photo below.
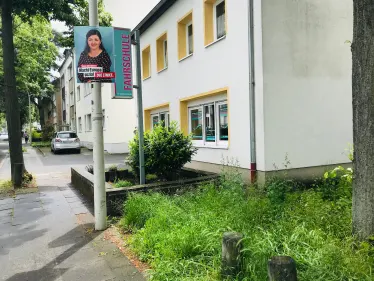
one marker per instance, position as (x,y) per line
(94,42)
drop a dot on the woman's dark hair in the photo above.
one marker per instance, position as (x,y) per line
(88,35)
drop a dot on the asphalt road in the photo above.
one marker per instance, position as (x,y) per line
(48,163)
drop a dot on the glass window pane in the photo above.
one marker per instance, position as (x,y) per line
(223,123)
(210,128)
(220,19)
(166,53)
(190,39)
(196,124)
(162,118)
(154,121)
(168,122)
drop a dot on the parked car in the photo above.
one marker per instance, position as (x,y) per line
(4,137)
(65,140)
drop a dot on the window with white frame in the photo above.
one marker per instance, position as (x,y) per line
(103,118)
(189,38)
(208,124)
(78,93)
(80,124)
(220,18)
(88,123)
(70,71)
(160,118)
(165,53)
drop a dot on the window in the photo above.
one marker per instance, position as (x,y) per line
(162,52)
(165,54)
(220,20)
(72,98)
(160,118)
(190,39)
(67,135)
(185,36)
(208,124)
(62,81)
(88,123)
(103,118)
(80,124)
(214,20)
(146,62)
(78,93)
(70,71)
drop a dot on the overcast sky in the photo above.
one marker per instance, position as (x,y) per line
(126,13)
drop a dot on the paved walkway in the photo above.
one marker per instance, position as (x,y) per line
(49,236)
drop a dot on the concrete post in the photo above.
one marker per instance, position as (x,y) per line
(282,268)
(98,141)
(231,254)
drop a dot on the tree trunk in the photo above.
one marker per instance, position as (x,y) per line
(11,95)
(363,118)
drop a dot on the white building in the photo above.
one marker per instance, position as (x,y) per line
(281,89)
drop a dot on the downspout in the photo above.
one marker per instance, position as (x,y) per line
(252,117)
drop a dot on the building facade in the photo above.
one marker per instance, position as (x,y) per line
(264,83)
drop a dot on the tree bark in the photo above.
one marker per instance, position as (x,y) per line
(363,118)
(11,95)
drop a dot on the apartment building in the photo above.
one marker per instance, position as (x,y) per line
(260,82)
(67,88)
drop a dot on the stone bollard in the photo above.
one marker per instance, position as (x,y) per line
(282,268)
(231,254)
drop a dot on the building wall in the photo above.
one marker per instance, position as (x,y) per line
(305,103)
(223,64)
(68,84)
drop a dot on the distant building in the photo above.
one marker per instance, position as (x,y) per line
(264,95)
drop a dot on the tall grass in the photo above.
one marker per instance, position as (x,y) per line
(180,236)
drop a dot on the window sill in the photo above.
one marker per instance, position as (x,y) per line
(186,57)
(149,77)
(224,147)
(216,41)
(162,70)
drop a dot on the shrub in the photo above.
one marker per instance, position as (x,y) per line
(48,132)
(166,151)
(113,168)
(36,135)
(125,183)
(151,177)
(40,144)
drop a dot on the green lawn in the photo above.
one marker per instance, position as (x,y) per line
(180,236)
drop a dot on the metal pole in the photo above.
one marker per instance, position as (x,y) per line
(140,108)
(30,124)
(98,141)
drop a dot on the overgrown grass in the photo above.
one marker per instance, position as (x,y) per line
(41,144)
(181,236)
(123,183)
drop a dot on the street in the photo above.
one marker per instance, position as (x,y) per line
(43,165)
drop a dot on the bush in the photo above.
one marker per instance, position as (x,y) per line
(48,132)
(40,144)
(125,183)
(166,151)
(181,236)
(36,135)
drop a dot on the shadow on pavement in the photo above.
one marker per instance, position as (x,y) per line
(49,272)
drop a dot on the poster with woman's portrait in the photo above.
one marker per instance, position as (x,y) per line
(94,54)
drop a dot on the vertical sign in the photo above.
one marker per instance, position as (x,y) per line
(123,64)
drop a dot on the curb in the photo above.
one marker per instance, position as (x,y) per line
(41,151)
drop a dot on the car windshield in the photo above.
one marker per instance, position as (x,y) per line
(67,135)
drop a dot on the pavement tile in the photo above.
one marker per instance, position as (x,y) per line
(73,199)
(6,207)
(76,204)
(6,201)
(80,210)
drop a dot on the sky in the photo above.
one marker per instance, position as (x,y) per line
(125,13)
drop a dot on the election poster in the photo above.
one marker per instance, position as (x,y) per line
(103,54)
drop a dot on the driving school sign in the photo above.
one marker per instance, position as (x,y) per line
(103,54)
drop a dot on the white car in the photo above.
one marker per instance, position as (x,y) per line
(4,137)
(65,140)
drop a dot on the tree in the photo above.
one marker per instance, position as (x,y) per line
(363,117)
(62,10)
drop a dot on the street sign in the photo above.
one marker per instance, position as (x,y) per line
(103,54)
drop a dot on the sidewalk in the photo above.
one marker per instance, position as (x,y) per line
(49,236)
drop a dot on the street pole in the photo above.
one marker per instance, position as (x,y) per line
(98,140)
(30,124)
(140,108)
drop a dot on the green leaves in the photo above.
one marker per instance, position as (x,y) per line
(166,151)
